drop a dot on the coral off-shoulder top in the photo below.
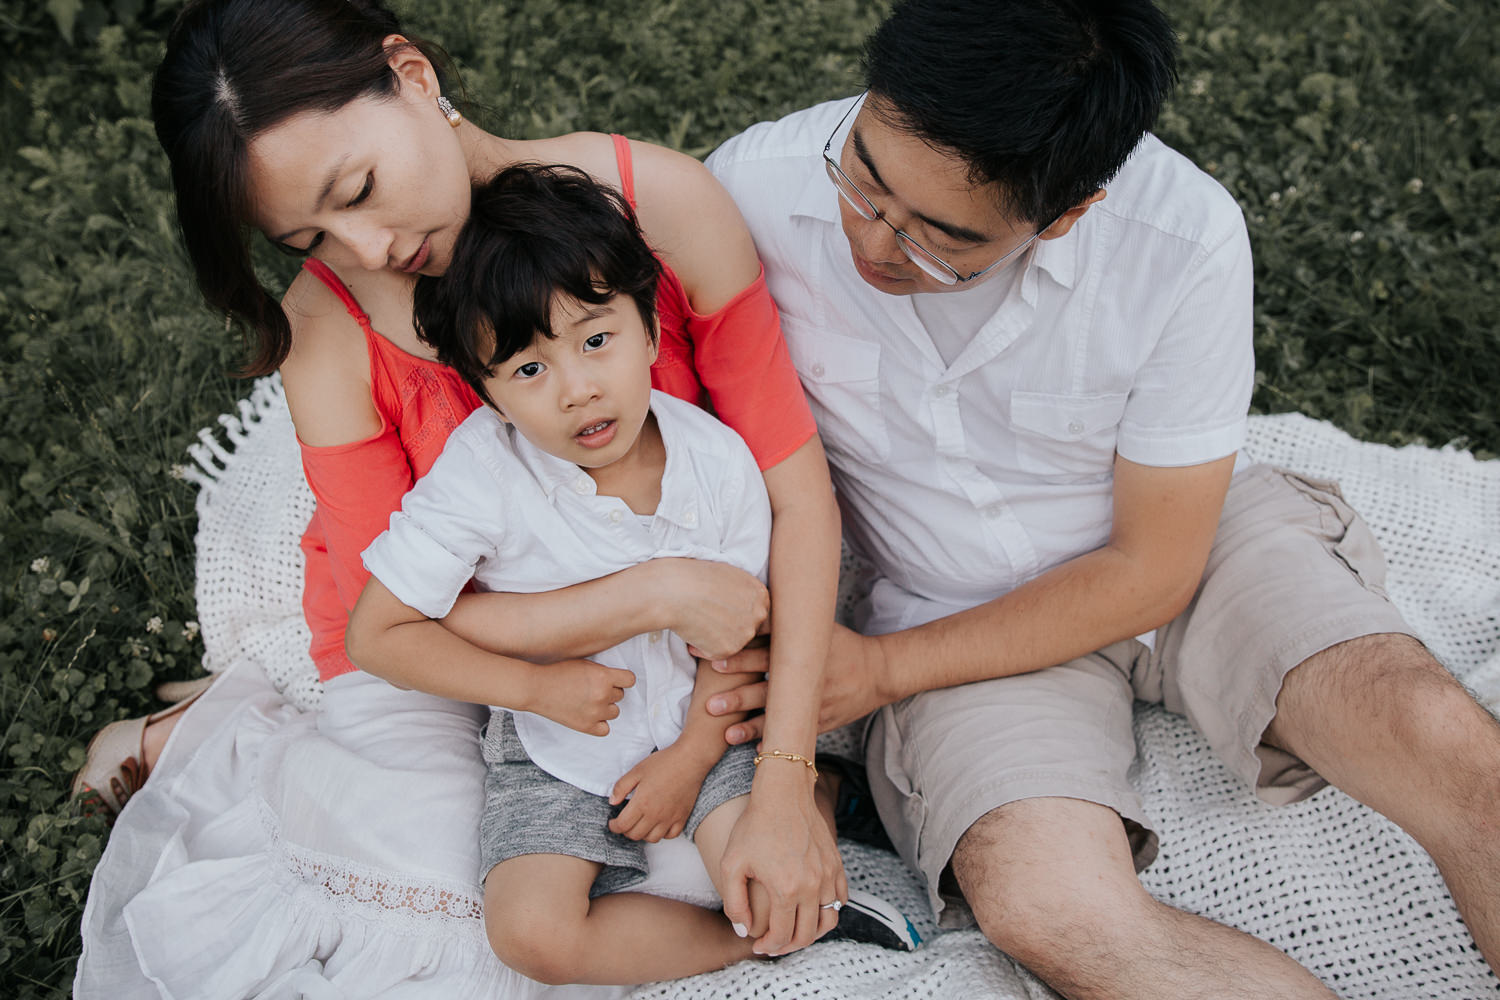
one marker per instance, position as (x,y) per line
(733,361)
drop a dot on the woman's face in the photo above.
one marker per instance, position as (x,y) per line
(380,183)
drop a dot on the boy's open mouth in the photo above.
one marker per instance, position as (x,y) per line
(597,434)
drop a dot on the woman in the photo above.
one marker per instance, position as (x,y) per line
(320,124)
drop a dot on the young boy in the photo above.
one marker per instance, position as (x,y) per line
(578,469)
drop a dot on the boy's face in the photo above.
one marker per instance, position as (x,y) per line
(583,395)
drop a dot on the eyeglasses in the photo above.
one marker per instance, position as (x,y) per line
(930,263)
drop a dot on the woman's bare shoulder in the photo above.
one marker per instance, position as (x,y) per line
(693,223)
(326,374)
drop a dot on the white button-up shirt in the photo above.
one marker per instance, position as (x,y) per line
(517,519)
(1129,335)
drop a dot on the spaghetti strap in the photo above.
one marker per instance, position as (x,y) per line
(325,274)
(627,171)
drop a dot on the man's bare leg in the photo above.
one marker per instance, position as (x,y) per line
(1381,719)
(1052,884)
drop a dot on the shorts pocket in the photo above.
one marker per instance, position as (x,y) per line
(842,378)
(1066,437)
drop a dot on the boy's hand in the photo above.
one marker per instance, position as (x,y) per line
(579,694)
(666,785)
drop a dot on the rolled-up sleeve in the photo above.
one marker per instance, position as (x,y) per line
(448,522)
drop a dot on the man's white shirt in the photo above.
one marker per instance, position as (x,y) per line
(1131,334)
(495,508)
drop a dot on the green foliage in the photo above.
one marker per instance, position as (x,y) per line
(1363,143)
(1361,140)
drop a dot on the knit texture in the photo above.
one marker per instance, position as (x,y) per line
(1335,885)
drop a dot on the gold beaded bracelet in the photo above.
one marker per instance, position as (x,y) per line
(784,755)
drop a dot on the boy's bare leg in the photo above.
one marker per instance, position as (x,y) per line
(1381,719)
(542,924)
(1052,884)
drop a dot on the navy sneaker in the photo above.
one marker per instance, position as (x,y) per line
(869,919)
(854,814)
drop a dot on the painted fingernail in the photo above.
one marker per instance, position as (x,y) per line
(740,929)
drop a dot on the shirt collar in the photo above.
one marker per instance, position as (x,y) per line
(679,498)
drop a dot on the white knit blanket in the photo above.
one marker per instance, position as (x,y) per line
(1333,884)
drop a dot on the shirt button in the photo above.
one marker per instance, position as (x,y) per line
(818,371)
(689,518)
(581,484)
(615,516)
(993,511)
(939,391)
(1075,426)
(656,636)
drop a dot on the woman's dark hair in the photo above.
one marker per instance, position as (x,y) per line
(533,233)
(234,69)
(1047,98)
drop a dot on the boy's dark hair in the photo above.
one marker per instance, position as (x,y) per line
(1047,98)
(233,70)
(533,233)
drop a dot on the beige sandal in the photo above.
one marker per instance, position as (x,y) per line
(115,764)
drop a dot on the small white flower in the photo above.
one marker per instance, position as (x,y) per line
(178,472)
(1356,236)
(1198,87)
(190,631)
(39,564)
(153,624)
(1414,185)
(1275,197)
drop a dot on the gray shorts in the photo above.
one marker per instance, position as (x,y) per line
(1293,571)
(528,811)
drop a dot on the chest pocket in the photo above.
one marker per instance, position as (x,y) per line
(1066,438)
(842,378)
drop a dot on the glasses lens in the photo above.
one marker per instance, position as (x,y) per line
(849,192)
(930,265)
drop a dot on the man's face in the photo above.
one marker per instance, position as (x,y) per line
(925,192)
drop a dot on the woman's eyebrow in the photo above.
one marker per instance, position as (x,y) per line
(951,229)
(327,189)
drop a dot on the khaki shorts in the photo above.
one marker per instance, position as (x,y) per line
(1293,571)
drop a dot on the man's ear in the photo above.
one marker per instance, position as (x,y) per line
(1068,219)
(411,67)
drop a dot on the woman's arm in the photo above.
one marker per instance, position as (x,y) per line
(741,360)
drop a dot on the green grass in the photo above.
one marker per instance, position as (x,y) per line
(1361,139)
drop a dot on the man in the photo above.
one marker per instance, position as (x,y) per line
(1025,328)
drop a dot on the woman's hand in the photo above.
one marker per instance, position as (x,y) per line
(783,843)
(714,607)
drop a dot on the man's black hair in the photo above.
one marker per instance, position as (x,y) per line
(1046,98)
(533,233)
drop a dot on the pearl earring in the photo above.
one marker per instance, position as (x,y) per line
(449,111)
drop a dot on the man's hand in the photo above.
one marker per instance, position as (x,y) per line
(665,786)
(854,685)
(579,694)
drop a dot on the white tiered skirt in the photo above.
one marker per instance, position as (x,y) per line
(276,853)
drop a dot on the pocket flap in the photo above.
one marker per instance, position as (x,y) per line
(826,357)
(1063,417)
